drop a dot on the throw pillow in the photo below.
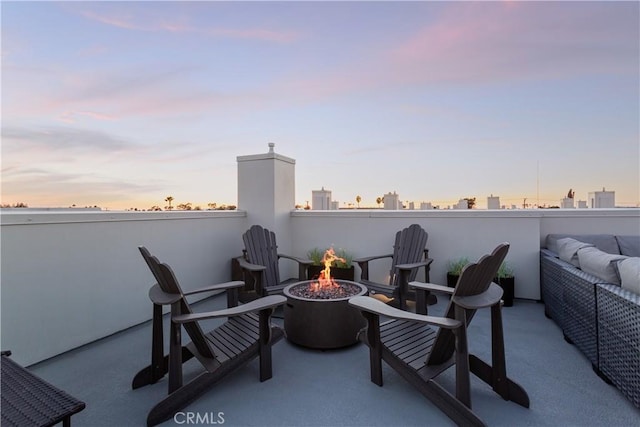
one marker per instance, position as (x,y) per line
(568,250)
(629,271)
(629,245)
(600,264)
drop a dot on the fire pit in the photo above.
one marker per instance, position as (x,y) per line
(317,313)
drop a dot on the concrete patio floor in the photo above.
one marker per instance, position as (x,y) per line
(332,388)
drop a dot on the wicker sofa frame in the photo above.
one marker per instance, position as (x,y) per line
(601,319)
(619,338)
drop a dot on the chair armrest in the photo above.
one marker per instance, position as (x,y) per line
(371,258)
(374,306)
(246,265)
(363,263)
(160,297)
(424,263)
(302,261)
(487,298)
(255,305)
(217,287)
(431,287)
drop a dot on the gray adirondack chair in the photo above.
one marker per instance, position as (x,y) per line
(261,266)
(247,333)
(411,345)
(409,255)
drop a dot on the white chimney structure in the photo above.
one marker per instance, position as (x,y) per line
(266,191)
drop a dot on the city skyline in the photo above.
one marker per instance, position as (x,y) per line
(121,104)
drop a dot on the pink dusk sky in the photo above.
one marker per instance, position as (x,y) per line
(121,104)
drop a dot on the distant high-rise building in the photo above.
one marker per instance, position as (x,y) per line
(493,202)
(426,206)
(392,201)
(567,203)
(582,204)
(462,204)
(320,200)
(602,199)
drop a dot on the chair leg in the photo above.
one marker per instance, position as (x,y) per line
(496,375)
(175,351)
(375,347)
(403,288)
(152,373)
(266,369)
(497,353)
(463,384)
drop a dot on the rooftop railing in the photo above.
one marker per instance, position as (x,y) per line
(69,278)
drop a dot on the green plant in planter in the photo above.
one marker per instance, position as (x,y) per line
(341,267)
(506,280)
(505,271)
(454,268)
(345,258)
(315,255)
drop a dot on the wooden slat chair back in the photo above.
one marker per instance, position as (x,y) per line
(409,255)
(474,280)
(168,283)
(411,345)
(262,249)
(261,265)
(247,333)
(408,248)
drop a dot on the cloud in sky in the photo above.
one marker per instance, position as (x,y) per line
(169,95)
(144,19)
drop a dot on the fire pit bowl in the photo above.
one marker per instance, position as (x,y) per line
(322,320)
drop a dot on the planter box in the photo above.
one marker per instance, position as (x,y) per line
(507,284)
(336,273)
(452,279)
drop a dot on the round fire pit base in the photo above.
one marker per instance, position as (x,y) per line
(322,323)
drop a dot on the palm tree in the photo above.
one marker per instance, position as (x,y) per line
(378,201)
(471,202)
(169,199)
(358,199)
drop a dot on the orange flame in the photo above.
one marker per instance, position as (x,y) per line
(325,281)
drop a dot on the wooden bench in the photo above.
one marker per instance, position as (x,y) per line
(28,400)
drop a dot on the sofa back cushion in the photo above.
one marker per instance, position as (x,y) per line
(629,245)
(568,250)
(629,272)
(600,264)
(604,242)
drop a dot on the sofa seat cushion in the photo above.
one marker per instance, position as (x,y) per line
(629,272)
(629,245)
(568,250)
(600,264)
(604,242)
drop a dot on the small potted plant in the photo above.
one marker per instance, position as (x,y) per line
(506,280)
(341,266)
(454,269)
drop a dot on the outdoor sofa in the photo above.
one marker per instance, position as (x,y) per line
(590,285)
